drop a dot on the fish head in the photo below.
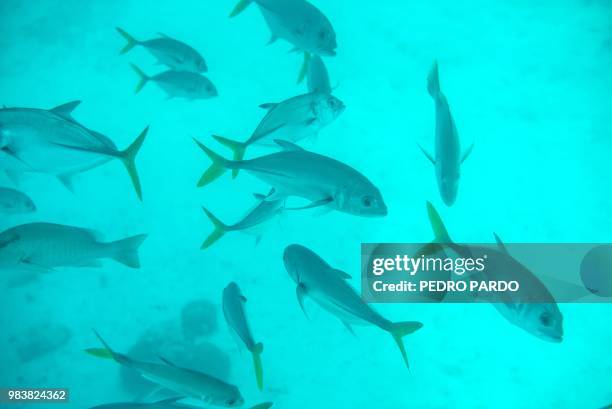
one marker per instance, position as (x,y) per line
(362,199)
(544,320)
(300,260)
(328,108)
(325,40)
(209,90)
(230,399)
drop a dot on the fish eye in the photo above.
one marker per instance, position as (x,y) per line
(366,201)
(230,402)
(322,34)
(546,319)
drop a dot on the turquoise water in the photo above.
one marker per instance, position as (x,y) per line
(528,83)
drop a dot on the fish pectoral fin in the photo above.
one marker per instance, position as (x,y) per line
(500,244)
(427,154)
(342,274)
(268,105)
(288,146)
(275,195)
(273,38)
(170,400)
(36,267)
(310,121)
(66,180)
(166,361)
(317,203)
(301,291)
(349,328)
(242,298)
(467,153)
(13,154)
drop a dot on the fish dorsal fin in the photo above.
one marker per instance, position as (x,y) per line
(288,146)
(166,361)
(65,110)
(259,196)
(427,154)
(500,244)
(159,33)
(268,105)
(342,274)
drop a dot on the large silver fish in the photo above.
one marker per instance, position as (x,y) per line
(168,51)
(542,319)
(186,382)
(52,142)
(292,119)
(299,23)
(45,246)
(448,158)
(297,172)
(264,211)
(179,84)
(235,315)
(329,288)
(15,202)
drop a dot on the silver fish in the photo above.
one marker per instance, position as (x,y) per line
(44,246)
(186,382)
(292,119)
(317,78)
(170,403)
(298,172)
(544,319)
(181,84)
(235,315)
(52,142)
(329,288)
(14,202)
(168,51)
(299,23)
(261,213)
(448,159)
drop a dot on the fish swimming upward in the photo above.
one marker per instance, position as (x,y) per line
(317,78)
(542,319)
(14,202)
(168,51)
(52,142)
(186,382)
(170,403)
(45,246)
(178,84)
(448,159)
(264,211)
(297,172)
(299,23)
(292,119)
(329,288)
(235,315)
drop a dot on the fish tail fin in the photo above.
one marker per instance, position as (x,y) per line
(107,352)
(125,251)
(131,41)
(399,330)
(238,148)
(128,158)
(217,233)
(143,78)
(433,80)
(216,169)
(239,8)
(257,350)
(440,232)
(268,405)
(305,67)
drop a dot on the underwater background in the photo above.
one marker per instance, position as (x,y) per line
(528,82)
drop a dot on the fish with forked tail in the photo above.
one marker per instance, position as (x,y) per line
(45,246)
(299,23)
(169,403)
(168,51)
(297,172)
(52,142)
(292,119)
(186,382)
(235,315)
(448,157)
(329,288)
(178,84)
(260,214)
